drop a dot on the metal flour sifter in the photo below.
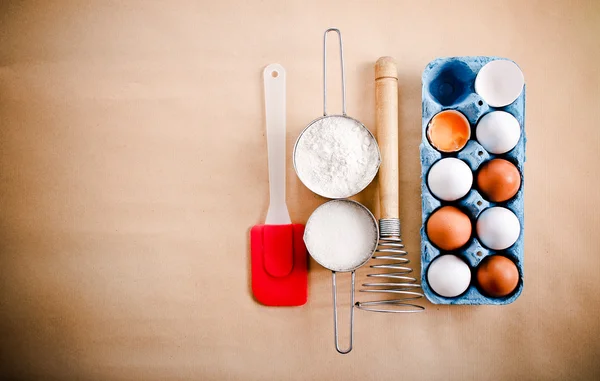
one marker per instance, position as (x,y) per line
(335,226)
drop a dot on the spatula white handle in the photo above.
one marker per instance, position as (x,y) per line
(274,78)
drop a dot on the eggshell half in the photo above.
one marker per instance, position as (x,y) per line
(499,82)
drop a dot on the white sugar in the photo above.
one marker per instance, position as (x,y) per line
(341,235)
(336,157)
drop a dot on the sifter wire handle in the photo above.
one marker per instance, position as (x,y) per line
(335,319)
(325,71)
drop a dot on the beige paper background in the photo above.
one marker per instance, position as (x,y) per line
(133,163)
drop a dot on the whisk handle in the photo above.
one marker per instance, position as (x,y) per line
(386,105)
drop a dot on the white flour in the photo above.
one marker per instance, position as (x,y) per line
(341,235)
(336,157)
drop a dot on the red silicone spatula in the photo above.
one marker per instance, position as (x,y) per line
(279,257)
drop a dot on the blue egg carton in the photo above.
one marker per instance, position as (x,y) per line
(449,84)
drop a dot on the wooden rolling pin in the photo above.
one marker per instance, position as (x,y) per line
(386,103)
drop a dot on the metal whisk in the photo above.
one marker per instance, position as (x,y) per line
(394,277)
(396,280)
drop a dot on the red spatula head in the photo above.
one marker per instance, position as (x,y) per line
(279,265)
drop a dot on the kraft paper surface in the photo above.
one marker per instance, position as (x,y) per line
(133,164)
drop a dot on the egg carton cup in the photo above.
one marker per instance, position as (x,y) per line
(448,84)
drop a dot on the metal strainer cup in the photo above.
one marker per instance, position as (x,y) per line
(348,263)
(358,127)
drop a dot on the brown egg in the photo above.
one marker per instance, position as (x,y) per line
(497,276)
(498,180)
(449,131)
(449,228)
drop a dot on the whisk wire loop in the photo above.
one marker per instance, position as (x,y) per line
(397,281)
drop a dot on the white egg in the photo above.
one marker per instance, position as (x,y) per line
(499,83)
(450,179)
(498,132)
(498,228)
(449,276)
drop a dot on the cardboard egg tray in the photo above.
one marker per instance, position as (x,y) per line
(458,74)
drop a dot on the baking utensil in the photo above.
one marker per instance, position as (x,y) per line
(356,125)
(279,257)
(395,280)
(366,233)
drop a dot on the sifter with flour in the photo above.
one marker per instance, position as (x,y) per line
(336,157)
